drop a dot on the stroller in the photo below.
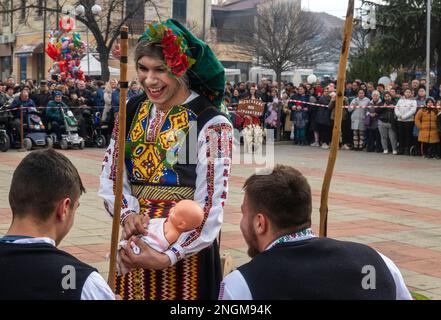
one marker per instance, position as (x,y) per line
(69,138)
(95,129)
(415,149)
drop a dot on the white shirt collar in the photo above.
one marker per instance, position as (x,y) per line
(294,237)
(192,96)
(35,240)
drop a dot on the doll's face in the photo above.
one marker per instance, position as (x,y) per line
(175,217)
(186,215)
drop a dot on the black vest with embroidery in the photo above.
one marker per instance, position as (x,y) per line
(319,269)
(171,159)
(40,272)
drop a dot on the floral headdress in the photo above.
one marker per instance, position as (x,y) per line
(174,49)
(185,53)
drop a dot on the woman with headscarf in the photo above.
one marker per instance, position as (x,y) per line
(178,146)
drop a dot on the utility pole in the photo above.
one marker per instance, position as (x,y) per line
(205,17)
(429,16)
(58,15)
(12,17)
(12,32)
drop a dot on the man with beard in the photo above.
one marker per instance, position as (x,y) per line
(289,262)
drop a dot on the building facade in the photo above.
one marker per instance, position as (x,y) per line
(24,33)
(229,19)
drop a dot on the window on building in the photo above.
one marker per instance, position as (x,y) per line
(5,15)
(23,68)
(180,10)
(136,20)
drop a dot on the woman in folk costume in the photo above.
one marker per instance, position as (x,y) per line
(178,146)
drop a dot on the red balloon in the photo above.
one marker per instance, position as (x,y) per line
(53,52)
(63,66)
(80,75)
(67,24)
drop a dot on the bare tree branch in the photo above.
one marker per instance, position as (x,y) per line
(111,15)
(283,37)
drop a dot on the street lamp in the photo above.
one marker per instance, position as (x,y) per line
(81,11)
(429,16)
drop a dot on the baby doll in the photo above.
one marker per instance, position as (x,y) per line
(186,215)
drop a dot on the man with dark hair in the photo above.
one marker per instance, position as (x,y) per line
(381,89)
(10,81)
(43,96)
(44,196)
(289,262)
(243,91)
(415,87)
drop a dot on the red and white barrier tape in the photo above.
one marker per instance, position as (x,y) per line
(33,108)
(346,107)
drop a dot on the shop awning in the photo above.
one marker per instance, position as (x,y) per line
(27,50)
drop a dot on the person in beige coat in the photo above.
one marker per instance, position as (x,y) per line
(107,112)
(288,127)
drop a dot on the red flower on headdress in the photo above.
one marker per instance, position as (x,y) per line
(171,51)
(177,61)
(169,39)
(180,69)
(174,61)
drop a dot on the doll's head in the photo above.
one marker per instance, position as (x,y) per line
(186,215)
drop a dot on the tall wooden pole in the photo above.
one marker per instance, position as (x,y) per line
(121,147)
(347,36)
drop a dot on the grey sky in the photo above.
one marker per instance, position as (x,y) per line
(335,7)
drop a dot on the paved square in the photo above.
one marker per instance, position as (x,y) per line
(392,203)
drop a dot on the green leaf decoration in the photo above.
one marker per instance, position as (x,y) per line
(191,61)
(418,296)
(152,31)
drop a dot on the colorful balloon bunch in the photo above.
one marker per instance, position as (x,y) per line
(66,52)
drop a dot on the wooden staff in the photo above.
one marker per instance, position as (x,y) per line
(121,147)
(347,36)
